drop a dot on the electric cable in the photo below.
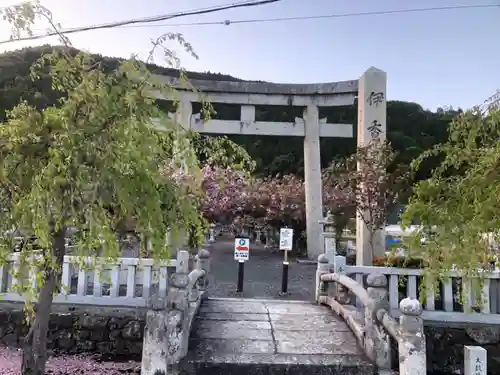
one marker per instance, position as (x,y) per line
(139,23)
(163,17)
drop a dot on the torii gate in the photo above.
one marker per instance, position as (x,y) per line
(371,89)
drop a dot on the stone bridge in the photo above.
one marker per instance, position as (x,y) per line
(352,319)
(189,332)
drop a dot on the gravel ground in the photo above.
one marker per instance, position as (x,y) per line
(263,274)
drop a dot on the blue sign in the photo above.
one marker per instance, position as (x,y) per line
(392,241)
(241,249)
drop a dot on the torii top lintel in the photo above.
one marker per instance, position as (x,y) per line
(266,88)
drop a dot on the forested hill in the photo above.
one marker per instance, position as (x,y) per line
(411,129)
(15,81)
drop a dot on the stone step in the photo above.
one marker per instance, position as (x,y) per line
(277,364)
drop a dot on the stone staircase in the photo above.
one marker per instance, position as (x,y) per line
(261,337)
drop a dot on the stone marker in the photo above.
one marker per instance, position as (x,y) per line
(475,360)
(372,117)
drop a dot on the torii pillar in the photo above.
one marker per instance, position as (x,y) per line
(372,125)
(313,182)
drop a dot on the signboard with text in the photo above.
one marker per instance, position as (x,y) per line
(286,239)
(242,249)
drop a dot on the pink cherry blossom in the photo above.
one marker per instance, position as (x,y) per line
(223,190)
(10,364)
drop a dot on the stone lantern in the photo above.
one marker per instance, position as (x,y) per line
(211,235)
(258,233)
(330,246)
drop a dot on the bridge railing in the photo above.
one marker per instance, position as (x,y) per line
(169,319)
(456,299)
(373,325)
(126,282)
(369,299)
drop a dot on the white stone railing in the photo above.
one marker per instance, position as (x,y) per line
(169,320)
(125,282)
(372,324)
(370,298)
(444,305)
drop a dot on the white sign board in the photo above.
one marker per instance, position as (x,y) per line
(241,249)
(286,239)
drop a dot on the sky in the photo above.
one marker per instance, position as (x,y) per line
(440,58)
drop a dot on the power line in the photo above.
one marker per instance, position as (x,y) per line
(339,15)
(138,23)
(111,25)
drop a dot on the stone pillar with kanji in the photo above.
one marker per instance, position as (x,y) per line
(372,117)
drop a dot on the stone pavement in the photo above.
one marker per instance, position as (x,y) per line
(262,274)
(250,336)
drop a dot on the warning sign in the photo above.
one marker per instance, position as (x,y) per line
(241,249)
(286,239)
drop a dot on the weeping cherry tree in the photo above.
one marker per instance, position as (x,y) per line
(88,164)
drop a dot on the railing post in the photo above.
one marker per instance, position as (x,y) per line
(156,338)
(203,263)
(323,268)
(177,320)
(341,292)
(377,340)
(412,352)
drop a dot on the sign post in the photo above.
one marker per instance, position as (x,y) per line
(241,254)
(286,244)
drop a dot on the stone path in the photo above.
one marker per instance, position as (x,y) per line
(249,336)
(262,274)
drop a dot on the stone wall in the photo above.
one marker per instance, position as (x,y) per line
(445,348)
(107,331)
(119,332)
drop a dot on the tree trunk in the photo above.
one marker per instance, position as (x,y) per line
(35,343)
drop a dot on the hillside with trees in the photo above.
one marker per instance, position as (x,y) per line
(411,128)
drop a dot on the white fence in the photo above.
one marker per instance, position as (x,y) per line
(446,304)
(127,282)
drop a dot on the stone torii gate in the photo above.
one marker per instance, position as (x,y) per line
(371,116)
